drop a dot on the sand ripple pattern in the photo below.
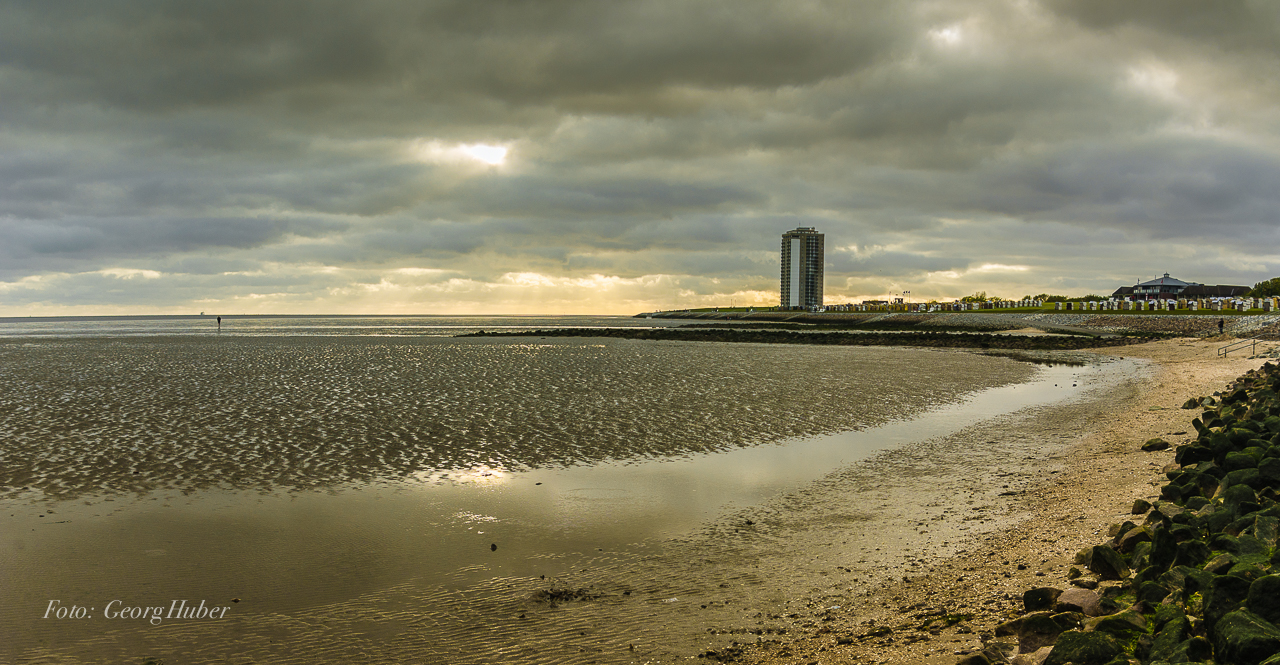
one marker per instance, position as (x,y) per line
(109,415)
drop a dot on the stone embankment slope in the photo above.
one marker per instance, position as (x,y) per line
(1198,579)
(919,338)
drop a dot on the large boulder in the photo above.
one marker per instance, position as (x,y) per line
(1267,529)
(1225,595)
(1194,650)
(1132,537)
(1079,648)
(1171,636)
(1124,626)
(1234,461)
(1269,470)
(1244,638)
(1041,629)
(1264,598)
(1040,599)
(1107,563)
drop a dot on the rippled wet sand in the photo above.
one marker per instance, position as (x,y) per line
(338,487)
(92,416)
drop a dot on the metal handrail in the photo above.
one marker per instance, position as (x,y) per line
(1236,346)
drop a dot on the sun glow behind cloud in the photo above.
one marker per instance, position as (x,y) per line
(950,35)
(438,152)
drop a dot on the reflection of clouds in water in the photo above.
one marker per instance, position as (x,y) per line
(100,415)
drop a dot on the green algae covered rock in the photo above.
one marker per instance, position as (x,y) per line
(1245,638)
(1107,563)
(1263,598)
(1079,648)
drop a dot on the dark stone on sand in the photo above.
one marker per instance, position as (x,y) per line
(1085,582)
(1155,444)
(1107,563)
(1192,454)
(1132,537)
(1140,506)
(1245,638)
(1192,403)
(1010,627)
(1041,629)
(1079,648)
(975,659)
(1040,599)
(1117,530)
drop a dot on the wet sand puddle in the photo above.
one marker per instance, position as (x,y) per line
(356,549)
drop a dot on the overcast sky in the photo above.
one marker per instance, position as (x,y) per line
(593,156)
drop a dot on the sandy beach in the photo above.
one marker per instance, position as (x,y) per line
(1068,507)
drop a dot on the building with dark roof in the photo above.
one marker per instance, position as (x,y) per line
(1219,291)
(1169,288)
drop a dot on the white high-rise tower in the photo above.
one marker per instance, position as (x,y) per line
(802,259)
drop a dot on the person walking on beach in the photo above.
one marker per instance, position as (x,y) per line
(1220,326)
(220,323)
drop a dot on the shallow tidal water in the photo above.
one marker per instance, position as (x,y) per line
(415,499)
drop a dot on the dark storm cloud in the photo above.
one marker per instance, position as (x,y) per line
(174,54)
(556,198)
(1159,189)
(94,244)
(1231,24)
(329,150)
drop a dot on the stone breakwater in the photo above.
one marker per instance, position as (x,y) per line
(908,338)
(1261,326)
(1198,579)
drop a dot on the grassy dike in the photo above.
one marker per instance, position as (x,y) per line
(1198,579)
